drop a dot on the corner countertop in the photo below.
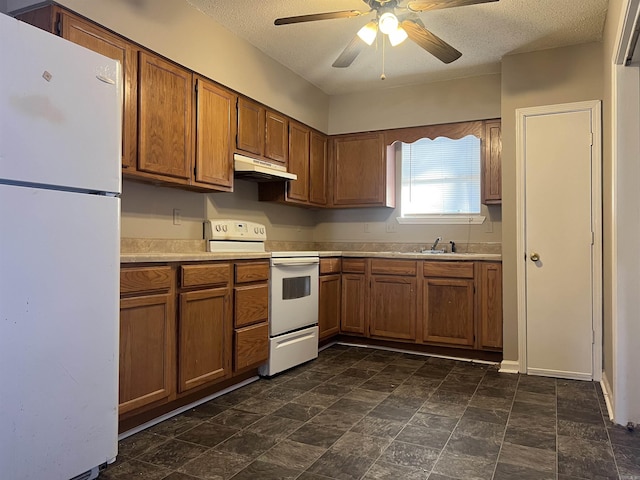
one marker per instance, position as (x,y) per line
(206,256)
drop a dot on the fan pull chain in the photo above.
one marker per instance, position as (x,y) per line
(383,76)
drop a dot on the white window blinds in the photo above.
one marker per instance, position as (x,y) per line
(441,176)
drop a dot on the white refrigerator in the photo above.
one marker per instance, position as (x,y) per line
(60,156)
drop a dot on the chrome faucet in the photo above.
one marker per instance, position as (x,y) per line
(435,244)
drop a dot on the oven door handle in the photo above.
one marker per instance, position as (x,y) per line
(295,261)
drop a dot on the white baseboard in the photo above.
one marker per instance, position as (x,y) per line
(545,372)
(509,366)
(608,394)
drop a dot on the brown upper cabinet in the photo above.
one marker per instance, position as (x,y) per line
(164,117)
(363,174)
(214,131)
(308,160)
(179,127)
(492,163)
(318,169)
(262,132)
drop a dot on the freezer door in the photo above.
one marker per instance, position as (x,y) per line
(60,111)
(59,313)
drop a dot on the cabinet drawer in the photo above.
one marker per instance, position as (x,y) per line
(330,265)
(251,305)
(144,279)
(196,275)
(393,267)
(448,269)
(251,346)
(251,272)
(353,265)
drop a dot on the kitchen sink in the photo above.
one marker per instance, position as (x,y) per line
(429,251)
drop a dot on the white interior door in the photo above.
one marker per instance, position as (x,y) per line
(559,235)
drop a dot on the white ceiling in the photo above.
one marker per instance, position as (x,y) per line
(483,33)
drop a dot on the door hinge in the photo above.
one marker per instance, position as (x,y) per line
(591,139)
(593,337)
(593,238)
(195,87)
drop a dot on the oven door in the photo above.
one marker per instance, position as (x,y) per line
(294,294)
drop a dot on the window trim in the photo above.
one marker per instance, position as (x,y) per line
(461,219)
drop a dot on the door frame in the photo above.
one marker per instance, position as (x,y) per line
(595,107)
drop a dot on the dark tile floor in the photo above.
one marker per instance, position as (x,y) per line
(372,414)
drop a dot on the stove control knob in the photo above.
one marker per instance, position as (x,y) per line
(262,230)
(217,227)
(255,229)
(224,228)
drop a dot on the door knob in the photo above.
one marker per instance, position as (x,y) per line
(534,257)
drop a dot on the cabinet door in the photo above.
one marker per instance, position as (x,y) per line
(99,40)
(359,174)
(448,311)
(204,337)
(490,306)
(276,137)
(215,124)
(164,136)
(299,162)
(317,169)
(492,164)
(352,319)
(250,137)
(330,292)
(393,307)
(147,350)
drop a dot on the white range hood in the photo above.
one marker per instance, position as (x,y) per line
(259,170)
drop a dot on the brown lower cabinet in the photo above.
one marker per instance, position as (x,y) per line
(147,337)
(440,303)
(181,334)
(204,333)
(330,294)
(354,291)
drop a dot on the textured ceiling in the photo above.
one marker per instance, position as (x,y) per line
(483,33)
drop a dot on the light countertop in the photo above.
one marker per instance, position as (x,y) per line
(206,256)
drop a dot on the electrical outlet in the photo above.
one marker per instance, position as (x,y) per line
(392,227)
(488,228)
(177,217)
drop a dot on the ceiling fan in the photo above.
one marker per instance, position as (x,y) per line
(394,19)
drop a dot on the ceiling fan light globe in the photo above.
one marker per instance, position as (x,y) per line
(368,33)
(388,22)
(398,36)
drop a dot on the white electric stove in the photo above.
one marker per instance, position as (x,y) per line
(293,292)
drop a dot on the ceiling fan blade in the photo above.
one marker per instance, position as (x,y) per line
(427,5)
(430,42)
(349,54)
(318,16)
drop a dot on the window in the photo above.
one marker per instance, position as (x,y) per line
(441,178)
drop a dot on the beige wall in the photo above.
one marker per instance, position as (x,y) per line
(561,75)
(456,100)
